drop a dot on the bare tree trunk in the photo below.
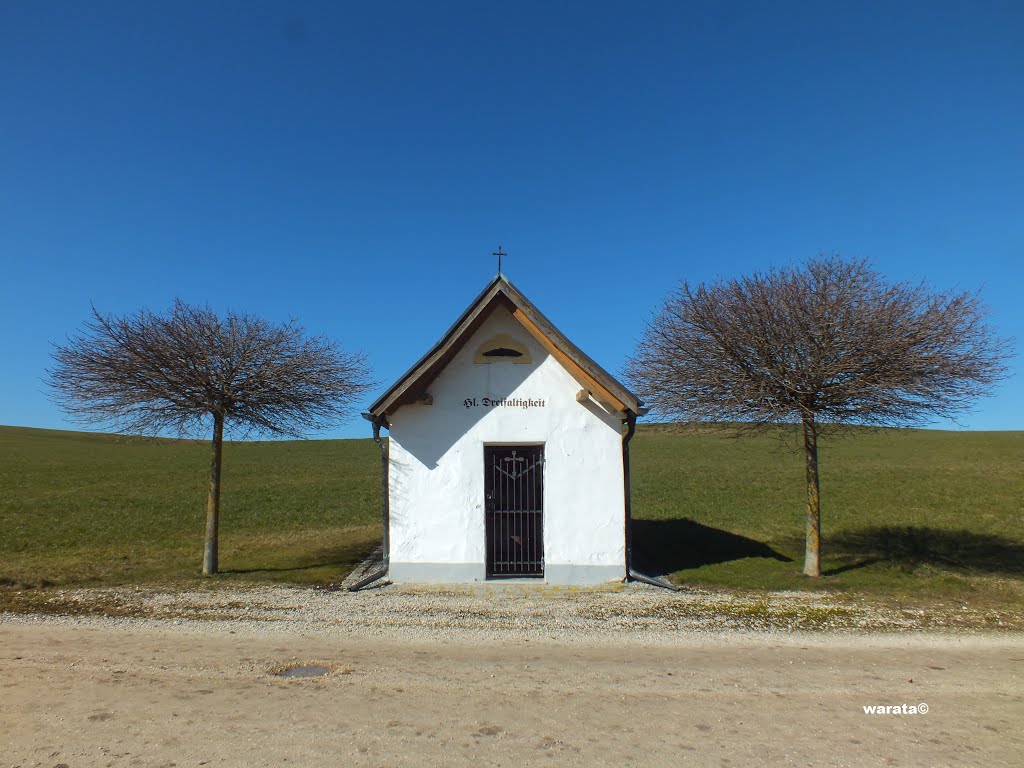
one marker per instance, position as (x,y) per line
(213,500)
(812,550)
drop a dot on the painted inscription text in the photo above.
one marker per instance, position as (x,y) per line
(504,402)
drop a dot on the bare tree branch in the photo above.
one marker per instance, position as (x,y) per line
(154,373)
(824,345)
(190,369)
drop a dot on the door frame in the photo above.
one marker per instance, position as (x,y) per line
(535,523)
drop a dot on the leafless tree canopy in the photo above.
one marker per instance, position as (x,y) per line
(831,343)
(191,369)
(154,373)
(832,340)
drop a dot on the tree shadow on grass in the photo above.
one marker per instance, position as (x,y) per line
(914,546)
(349,555)
(661,547)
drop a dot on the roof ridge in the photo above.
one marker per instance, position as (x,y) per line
(437,357)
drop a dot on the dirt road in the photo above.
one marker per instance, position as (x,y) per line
(204,693)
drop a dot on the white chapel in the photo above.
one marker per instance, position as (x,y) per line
(508,455)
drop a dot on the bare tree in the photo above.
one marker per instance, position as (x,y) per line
(827,344)
(190,370)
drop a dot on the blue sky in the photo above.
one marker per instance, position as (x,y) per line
(354,165)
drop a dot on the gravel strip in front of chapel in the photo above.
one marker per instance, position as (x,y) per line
(617,614)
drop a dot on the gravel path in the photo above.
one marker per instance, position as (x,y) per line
(634,614)
(500,675)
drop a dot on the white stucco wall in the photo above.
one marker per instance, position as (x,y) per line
(436,473)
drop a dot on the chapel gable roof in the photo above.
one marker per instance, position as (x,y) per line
(595,381)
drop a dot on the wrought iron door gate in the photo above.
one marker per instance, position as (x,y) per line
(514,491)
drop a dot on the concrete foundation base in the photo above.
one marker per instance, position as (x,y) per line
(468,573)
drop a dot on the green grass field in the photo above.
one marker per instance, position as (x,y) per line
(88,509)
(905,512)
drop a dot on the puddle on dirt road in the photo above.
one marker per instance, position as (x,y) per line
(304,670)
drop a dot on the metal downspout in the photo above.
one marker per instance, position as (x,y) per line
(630,431)
(632,575)
(385,508)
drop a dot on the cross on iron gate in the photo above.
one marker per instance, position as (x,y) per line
(516,470)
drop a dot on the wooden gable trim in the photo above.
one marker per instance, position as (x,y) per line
(597,390)
(580,360)
(598,383)
(412,386)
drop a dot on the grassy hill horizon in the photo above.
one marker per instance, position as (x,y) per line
(905,511)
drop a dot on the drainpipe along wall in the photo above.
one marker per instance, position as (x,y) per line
(632,575)
(379,422)
(630,431)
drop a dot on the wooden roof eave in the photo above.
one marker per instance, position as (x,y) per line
(400,391)
(411,386)
(572,357)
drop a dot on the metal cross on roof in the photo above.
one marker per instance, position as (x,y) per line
(499,254)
